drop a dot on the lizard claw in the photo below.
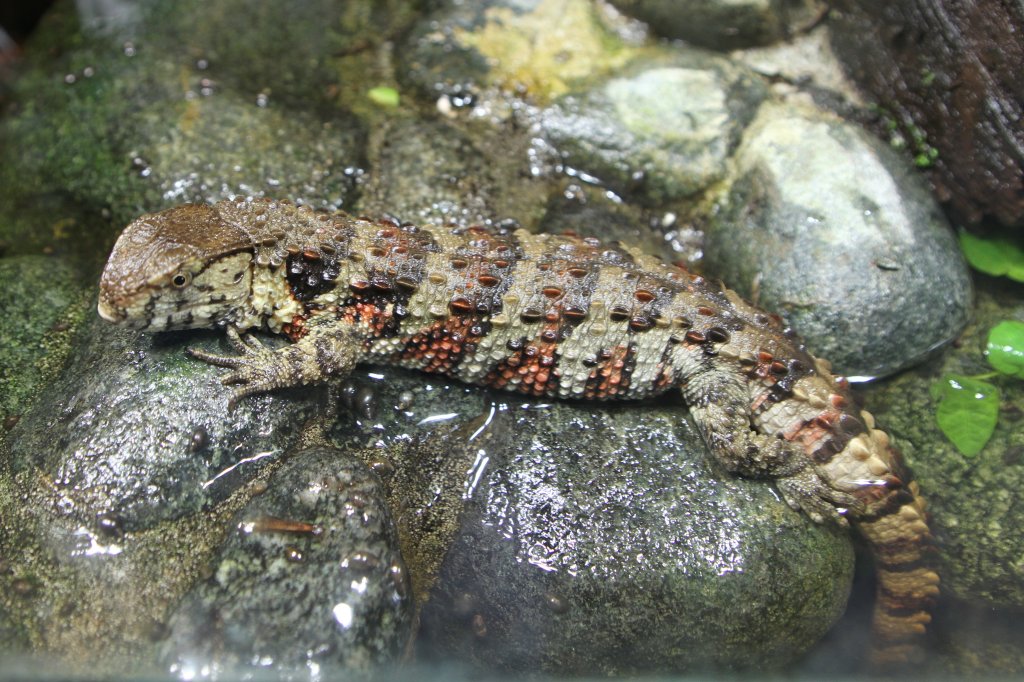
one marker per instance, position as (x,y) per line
(806,491)
(256,370)
(214,359)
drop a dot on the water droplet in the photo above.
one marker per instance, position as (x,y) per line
(343,614)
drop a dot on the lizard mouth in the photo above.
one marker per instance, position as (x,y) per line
(109,313)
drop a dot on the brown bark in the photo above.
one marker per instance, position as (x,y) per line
(950,73)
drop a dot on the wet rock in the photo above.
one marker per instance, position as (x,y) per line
(602,541)
(806,64)
(433,172)
(587,210)
(661,130)
(41,300)
(576,533)
(982,642)
(147,117)
(722,24)
(829,227)
(464,54)
(135,429)
(948,76)
(309,584)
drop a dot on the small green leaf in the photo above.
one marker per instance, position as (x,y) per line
(1005,349)
(967,411)
(385,97)
(993,256)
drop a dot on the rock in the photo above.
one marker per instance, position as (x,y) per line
(805,64)
(432,172)
(137,431)
(585,210)
(661,129)
(722,24)
(42,294)
(597,541)
(829,227)
(466,53)
(152,121)
(310,583)
(947,76)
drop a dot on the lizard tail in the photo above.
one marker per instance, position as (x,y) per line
(895,525)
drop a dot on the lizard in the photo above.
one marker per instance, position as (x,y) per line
(546,315)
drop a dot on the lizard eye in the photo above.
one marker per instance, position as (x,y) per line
(180,280)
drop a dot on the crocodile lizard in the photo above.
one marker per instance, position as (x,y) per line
(545,315)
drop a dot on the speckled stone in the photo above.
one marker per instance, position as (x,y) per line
(473,55)
(136,430)
(826,225)
(153,107)
(41,293)
(661,129)
(604,541)
(432,172)
(309,583)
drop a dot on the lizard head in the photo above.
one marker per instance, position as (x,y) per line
(182,268)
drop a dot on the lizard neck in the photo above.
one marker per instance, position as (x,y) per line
(270,300)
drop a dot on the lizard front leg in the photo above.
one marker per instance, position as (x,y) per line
(325,352)
(720,406)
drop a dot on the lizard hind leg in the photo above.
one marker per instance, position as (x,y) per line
(720,406)
(326,352)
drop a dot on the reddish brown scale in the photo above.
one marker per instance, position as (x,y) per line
(529,370)
(611,377)
(439,348)
(665,378)
(370,316)
(394,260)
(295,329)
(695,337)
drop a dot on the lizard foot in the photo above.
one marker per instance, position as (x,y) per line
(256,370)
(234,338)
(806,491)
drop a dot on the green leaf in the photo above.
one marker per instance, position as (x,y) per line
(997,257)
(967,411)
(385,97)
(1005,349)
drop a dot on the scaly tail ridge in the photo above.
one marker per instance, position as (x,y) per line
(896,526)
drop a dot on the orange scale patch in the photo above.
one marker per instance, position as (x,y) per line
(295,329)
(530,370)
(439,347)
(611,377)
(368,315)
